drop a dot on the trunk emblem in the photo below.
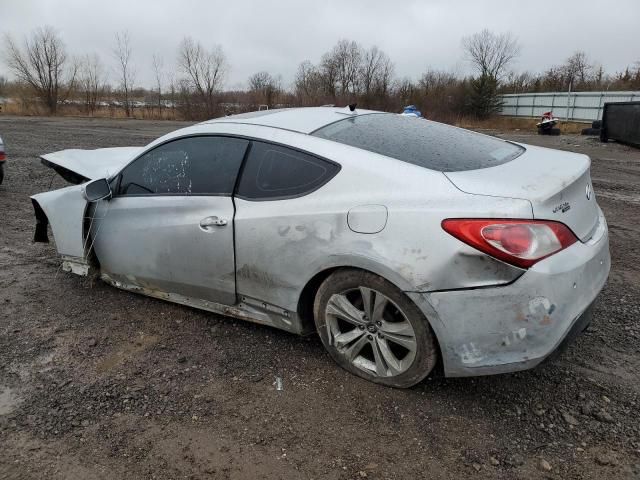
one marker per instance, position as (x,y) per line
(588,191)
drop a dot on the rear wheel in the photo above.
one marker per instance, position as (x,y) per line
(1,173)
(373,330)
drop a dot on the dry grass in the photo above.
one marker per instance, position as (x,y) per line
(35,109)
(22,109)
(515,123)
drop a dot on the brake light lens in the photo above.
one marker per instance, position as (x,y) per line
(2,156)
(519,242)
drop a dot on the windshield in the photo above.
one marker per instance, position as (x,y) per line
(421,142)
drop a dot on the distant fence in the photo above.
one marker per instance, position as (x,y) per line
(577,106)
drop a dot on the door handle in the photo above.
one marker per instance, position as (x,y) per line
(212,222)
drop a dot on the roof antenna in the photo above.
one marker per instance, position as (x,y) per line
(352,106)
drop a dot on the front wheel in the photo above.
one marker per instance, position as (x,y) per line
(373,330)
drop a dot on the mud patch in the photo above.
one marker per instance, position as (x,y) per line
(9,400)
(126,352)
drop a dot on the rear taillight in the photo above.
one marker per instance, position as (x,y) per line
(518,242)
(2,156)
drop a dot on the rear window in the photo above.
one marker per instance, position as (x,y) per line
(421,142)
(274,172)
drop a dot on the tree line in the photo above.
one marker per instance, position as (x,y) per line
(193,84)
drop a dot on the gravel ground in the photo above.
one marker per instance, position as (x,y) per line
(100,383)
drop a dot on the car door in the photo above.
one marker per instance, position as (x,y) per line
(169,226)
(282,228)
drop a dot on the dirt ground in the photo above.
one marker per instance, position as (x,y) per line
(100,383)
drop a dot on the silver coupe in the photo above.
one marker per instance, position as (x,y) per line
(402,242)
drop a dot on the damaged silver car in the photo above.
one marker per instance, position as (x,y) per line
(402,242)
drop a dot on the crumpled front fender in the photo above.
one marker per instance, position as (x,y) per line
(65,210)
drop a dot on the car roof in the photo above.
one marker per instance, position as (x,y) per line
(302,120)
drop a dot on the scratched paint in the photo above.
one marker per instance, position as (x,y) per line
(470,354)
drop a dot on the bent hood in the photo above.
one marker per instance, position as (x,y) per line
(78,166)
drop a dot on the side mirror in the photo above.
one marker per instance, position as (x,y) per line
(97,190)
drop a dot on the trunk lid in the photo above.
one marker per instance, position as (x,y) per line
(556,183)
(78,166)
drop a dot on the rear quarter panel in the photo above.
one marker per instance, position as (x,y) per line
(282,244)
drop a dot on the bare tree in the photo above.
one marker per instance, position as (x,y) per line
(406,91)
(629,79)
(375,75)
(90,80)
(441,94)
(172,91)
(308,84)
(206,71)
(126,72)
(264,87)
(433,81)
(158,71)
(328,75)
(576,73)
(577,68)
(3,85)
(599,76)
(43,64)
(491,53)
(519,82)
(347,58)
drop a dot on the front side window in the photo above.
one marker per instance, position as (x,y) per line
(421,142)
(274,172)
(187,166)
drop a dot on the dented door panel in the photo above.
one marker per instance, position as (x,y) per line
(281,245)
(158,242)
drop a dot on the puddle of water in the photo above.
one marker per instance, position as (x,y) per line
(8,400)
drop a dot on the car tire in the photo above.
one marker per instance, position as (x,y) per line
(390,343)
(1,173)
(554,131)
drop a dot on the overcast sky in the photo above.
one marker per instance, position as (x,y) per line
(277,35)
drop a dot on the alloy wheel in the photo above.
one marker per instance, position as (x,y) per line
(371,332)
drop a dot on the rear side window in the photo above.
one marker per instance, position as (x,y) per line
(275,172)
(421,142)
(188,166)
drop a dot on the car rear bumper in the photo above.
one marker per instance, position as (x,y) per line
(514,327)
